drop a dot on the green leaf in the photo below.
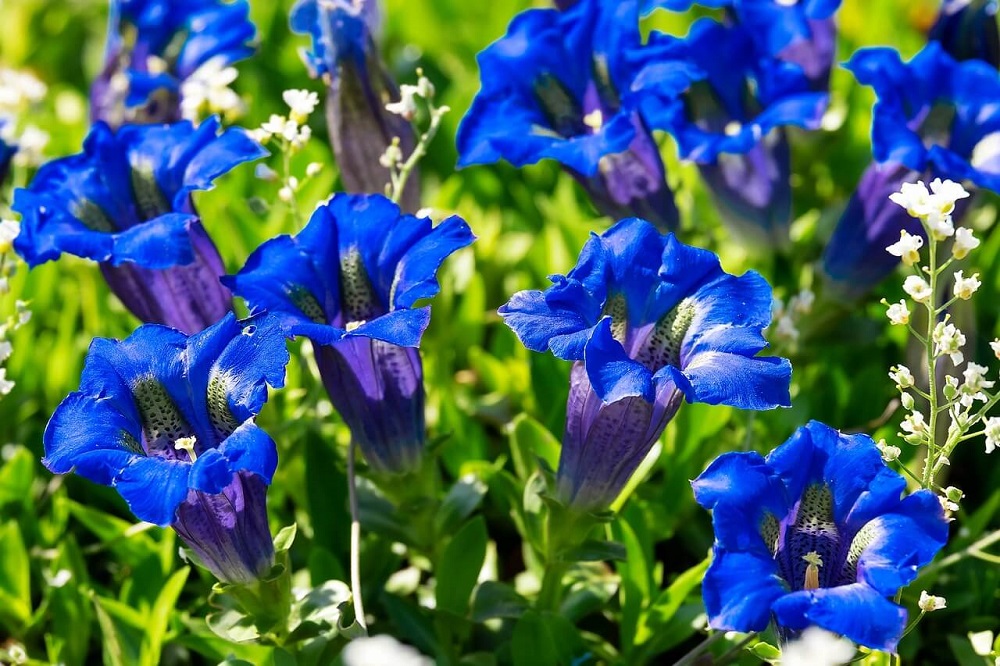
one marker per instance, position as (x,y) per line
(497,600)
(662,610)
(462,499)
(459,567)
(126,539)
(532,643)
(414,626)
(593,550)
(122,632)
(766,651)
(15,578)
(159,616)
(16,477)
(318,613)
(530,441)
(285,537)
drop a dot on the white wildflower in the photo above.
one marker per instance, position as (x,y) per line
(313,169)
(817,647)
(965,242)
(802,303)
(914,197)
(982,642)
(965,287)
(286,194)
(889,452)
(9,229)
(6,386)
(941,225)
(992,429)
(380,650)
(917,288)
(949,340)
(914,424)
(207,91)
(301,103)
(946,193)
(31,146)
(5,349)
(907,248)
(929,602)
(407,104)
(898,313)
(902,376)
(975,383)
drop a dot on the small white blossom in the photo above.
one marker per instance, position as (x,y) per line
(785,329)
(965,242)
(982,642)
(914,424)
(286,194)
(889,452)
(407,104)
(5,349)
(31,146)
(965,287)
(802,303)
(19,90)
(902,376)
(929,602)
(992,428)
(817,647)
(6,386)
(907,248)
(946,193)
(9,229)
(207,91)
(941,225)
(975,383)
(949,340)
(313,169)
(914,197)
(917,288)
(301,103)
(898,313)
(380,650)
(274,125)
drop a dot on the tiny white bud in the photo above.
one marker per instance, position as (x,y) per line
(965,287)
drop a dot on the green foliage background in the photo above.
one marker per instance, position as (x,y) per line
(128,599)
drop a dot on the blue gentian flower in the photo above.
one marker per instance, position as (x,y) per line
(802,33)
(155,45)
(815,533)
(559,85)
(168,420)
(349,282)
(649,322)
(345,55)
(683,5)
(732,120)
(934,118)
(126,202)
(967,29)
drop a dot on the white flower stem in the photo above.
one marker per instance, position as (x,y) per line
(352,492)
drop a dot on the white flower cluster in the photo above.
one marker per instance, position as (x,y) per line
(785,318)
(408,94)
(817,647)
(292,131)
(207,92)
(19,92)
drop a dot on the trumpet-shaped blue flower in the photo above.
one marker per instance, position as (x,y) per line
(345,55)
(815,533)
(934,118)
(168,420)
(126,202)
(967,29)
(732,120)
(155,45)
(559,85)
(649,321)
(801,33)
(349,281)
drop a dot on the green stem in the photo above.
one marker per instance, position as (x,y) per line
(970,551)
(699,649)
(550,595)
(352,493)
(929,462)
(734,651)
(399,179)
